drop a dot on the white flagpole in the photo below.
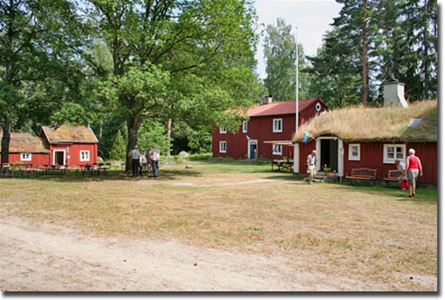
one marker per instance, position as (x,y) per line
(296,81)
(296,146)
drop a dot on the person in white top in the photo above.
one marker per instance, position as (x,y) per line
(134,156)
(154,160)
(142,163)
(311,162)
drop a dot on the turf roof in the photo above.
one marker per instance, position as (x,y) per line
(370,124)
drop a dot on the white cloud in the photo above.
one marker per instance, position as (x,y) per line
(312,18)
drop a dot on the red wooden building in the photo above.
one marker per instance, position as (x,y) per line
(67,145)
(28,149)
(267,123)
(372,138)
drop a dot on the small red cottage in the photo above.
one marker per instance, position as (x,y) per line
(267,132)
(66,145)
(28,149)
(70,145)
(365,137)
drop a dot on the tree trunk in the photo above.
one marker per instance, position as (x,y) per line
(132,127)
(425,57)
(365,70)
(6,138)
(169,136)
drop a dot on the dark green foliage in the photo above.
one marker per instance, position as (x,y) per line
(402,36)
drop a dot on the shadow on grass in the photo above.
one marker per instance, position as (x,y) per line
(423,194)
(108,176)
(286,176)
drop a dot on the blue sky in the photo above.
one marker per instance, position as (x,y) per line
(312,18)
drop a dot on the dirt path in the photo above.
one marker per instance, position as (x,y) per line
(46,257)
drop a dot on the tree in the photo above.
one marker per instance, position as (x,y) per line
(280,54)
(117,151)
(401,41)
(167,38)
(336,72)
(36,66)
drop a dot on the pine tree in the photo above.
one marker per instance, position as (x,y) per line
(117,151)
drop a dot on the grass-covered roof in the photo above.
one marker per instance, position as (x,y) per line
(390,124)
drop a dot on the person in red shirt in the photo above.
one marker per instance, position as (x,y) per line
(413,170)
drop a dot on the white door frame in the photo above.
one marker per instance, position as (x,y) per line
(296,158)
(340,153)
(249,142)
(54,156)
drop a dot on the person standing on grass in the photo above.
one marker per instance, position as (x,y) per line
(311,165)
(413,170)
(402,178)
(142,163)
(154,159)
(134,156)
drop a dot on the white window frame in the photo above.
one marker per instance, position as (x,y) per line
(277,121)
(274,149)
(350,155)
(220,146)
(25,157)
(386,159)
(81,158)
(245,127)
(222,130)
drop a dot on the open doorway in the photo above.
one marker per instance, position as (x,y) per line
(59,157)
(252,149)
(329,154)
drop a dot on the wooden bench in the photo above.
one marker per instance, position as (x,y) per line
(393,176)
(363,174)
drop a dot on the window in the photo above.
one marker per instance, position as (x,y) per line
(25,156)
(222,130)
(391,152)
(84,155)
(277,125)
(354,151)
(244,126)
(222,147)
(277,149)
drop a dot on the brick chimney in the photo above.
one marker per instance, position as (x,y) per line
(394,94)
(267,99)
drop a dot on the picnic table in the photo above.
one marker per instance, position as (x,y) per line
(282,164)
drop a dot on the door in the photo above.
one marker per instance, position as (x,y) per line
(59,158)
(329,154)
(253,149)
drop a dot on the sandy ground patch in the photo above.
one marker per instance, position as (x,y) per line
(47,257)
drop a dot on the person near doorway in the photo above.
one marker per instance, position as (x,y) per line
(154,159)
(413,170)
(402,178)
(134,157)
(142,164)
(311,162)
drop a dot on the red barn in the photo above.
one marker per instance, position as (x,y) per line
(364,137)
(267,123)
(66,145)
